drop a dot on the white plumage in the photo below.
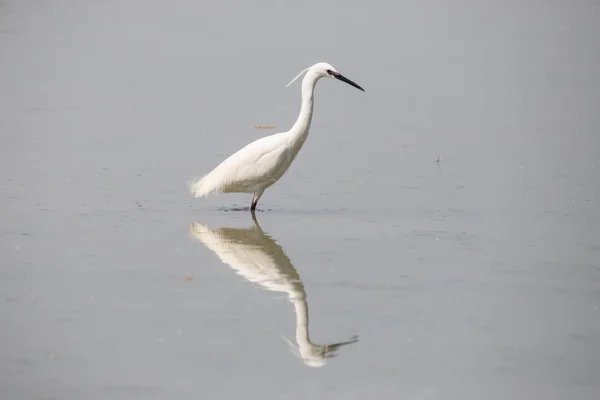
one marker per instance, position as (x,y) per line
(261,163)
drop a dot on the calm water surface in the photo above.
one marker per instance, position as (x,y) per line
(372,271)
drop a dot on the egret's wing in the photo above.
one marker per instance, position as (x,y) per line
(251,165)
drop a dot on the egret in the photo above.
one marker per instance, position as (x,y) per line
(261,163)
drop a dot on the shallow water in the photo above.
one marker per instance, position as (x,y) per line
(371,270)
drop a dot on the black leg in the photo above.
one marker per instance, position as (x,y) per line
(255,200)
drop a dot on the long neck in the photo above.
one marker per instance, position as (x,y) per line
(299,131)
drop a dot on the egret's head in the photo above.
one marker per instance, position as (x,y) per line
(325,70)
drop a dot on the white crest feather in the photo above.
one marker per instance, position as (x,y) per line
(298,76)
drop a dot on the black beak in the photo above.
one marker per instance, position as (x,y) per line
(342,78)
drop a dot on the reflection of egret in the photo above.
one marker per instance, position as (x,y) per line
(258,258)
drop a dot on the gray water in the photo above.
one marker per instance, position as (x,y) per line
(475,277)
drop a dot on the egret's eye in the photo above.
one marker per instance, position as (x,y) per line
(330,72)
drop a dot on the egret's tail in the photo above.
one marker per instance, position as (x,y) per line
(200,187)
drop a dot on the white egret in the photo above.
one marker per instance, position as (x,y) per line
(261,163)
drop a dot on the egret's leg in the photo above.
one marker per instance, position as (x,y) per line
(255,199)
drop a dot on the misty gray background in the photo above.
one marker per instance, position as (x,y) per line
(475,279)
